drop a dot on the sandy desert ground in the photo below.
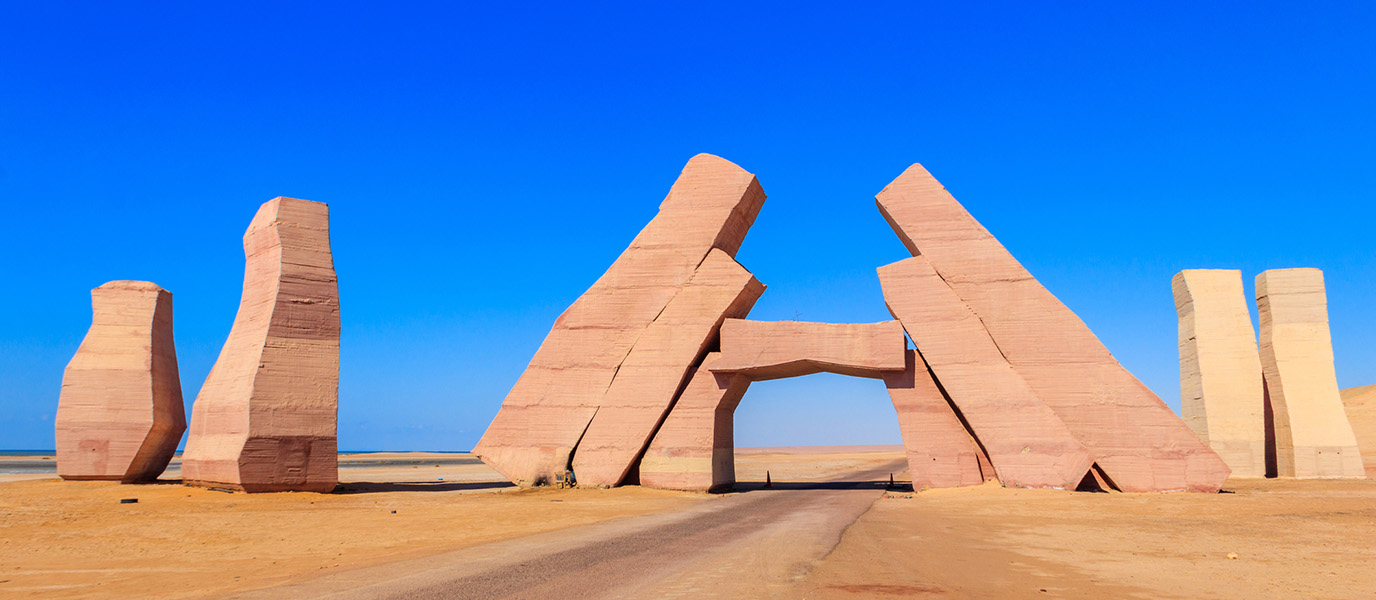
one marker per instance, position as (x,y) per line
(444,525)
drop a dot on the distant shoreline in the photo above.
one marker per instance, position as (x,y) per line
(41,462)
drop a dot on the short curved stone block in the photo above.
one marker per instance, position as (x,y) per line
(710,206)
(120,413)
(941,452)
(765,350)
(1313,437)
(1137,441)
(1221,396)
(266,418)
(1027,444)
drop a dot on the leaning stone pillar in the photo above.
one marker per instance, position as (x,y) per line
(1220,369)
(266,417)
(1312,435)
(1137,441)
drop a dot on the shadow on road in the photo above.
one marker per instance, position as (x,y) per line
(751,486)
(368,487)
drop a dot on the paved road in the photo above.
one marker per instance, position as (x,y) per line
(759,543)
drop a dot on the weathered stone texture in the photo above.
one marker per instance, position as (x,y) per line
(695,447)
(1139,443)
(1027,444)
(941,452)
(775,349)
(1221,396)
(658,366)
(266,418)
(712,205)
(120,412)
(1313,437)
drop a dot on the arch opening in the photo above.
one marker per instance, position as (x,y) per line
(694,449)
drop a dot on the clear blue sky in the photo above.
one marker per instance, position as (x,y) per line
(484,165)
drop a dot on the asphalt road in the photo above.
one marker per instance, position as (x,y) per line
(757,543)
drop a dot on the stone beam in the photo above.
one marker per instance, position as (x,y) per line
(774,349)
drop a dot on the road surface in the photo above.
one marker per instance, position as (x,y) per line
(757,543)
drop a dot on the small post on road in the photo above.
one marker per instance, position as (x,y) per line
(767,482)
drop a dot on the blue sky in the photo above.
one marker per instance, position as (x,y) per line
(485,164)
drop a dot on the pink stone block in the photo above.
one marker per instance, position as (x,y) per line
(941,452)
(1027,444)
(695,449)
(658,366)
(775,349)
(1137,441)
(120,413)
(266,418)
(711,205)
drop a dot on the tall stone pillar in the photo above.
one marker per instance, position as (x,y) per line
(266,417)
(120,414)
(1313,437)
(1221,395)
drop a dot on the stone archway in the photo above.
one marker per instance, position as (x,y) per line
(694,449)
(1004,374)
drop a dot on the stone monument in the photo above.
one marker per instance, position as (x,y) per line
(1027,444)
(266,418)
(638,381)
(570,392)
(1313,437)
(1137,442)
(1220,370)
(694,449)
(120,413)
